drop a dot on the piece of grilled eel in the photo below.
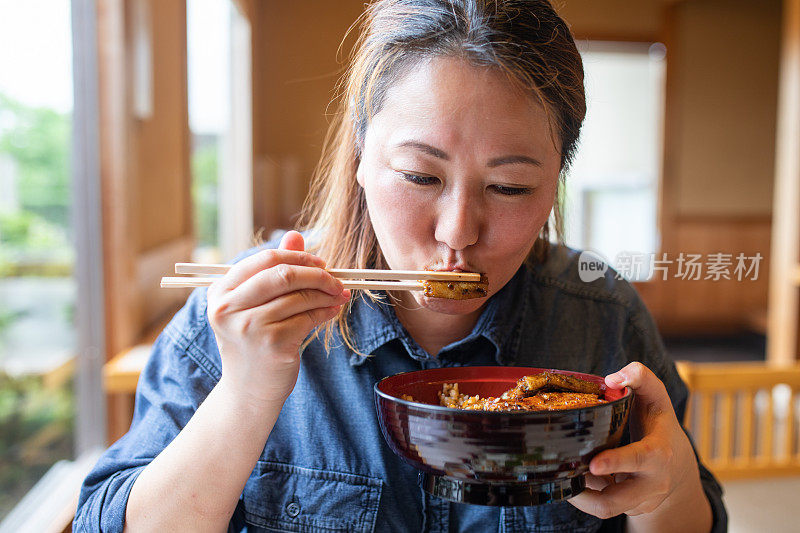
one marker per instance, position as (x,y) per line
(551,382)
(457,290)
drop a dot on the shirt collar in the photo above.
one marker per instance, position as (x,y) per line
(375,324)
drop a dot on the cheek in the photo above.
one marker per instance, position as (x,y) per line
(399,217)
(514,230)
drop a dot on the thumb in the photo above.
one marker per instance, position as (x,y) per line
(292,240)
(643,381)
(651,400)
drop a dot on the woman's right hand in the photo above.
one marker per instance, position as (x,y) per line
(262,310)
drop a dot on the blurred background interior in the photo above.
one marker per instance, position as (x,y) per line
(138,133)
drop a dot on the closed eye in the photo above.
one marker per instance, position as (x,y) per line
(511,191)
(419,180)
(504,190)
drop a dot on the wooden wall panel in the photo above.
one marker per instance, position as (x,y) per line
(144,173)
(724,66)
(162,140)
(295,69)
(118,230)
(784,315)
(718,163)
(613,19)
(707,306)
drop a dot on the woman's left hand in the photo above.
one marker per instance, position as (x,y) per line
(656,477)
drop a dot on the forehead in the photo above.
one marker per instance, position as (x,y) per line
(455,102)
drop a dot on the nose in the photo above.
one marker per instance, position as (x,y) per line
(458,221)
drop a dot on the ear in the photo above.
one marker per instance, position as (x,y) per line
(360,173)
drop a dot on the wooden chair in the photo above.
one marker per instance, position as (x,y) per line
(743,417)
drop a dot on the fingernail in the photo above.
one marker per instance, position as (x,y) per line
(600,467)
(616,378)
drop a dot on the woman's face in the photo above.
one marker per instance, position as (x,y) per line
(460,171)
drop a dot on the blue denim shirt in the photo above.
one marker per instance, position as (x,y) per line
(326,466)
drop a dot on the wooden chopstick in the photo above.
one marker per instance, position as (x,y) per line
(347,273)
(418,275)
(200,268)
(179,282)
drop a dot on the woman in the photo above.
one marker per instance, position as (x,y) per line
(458,120)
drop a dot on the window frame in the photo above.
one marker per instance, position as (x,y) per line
(90,416)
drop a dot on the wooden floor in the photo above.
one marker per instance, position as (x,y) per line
(763,505)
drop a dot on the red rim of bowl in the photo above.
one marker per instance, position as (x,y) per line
(628,392)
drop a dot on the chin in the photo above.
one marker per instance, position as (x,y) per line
(451,307)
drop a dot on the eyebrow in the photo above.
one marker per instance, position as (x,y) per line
(427,148)
(496,162)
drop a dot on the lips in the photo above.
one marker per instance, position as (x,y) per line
(453,268)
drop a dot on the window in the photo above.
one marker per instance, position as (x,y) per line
(611,200)
(218,51)
(37,283)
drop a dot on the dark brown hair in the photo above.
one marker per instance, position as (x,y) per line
(524,39)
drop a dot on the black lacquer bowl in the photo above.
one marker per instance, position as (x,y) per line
(495,458)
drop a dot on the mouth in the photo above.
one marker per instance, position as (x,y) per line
(452,268)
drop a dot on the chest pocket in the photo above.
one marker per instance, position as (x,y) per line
(551,518)
(281,497)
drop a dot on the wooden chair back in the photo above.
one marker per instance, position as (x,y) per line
(743,417)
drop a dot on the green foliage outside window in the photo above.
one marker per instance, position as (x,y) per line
(35,233)
(36,430)
(205,166)
(36,421)
(25,229)
(38,141)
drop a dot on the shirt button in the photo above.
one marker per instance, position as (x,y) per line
(293,509)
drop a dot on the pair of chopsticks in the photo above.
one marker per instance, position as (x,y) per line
(387,280)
